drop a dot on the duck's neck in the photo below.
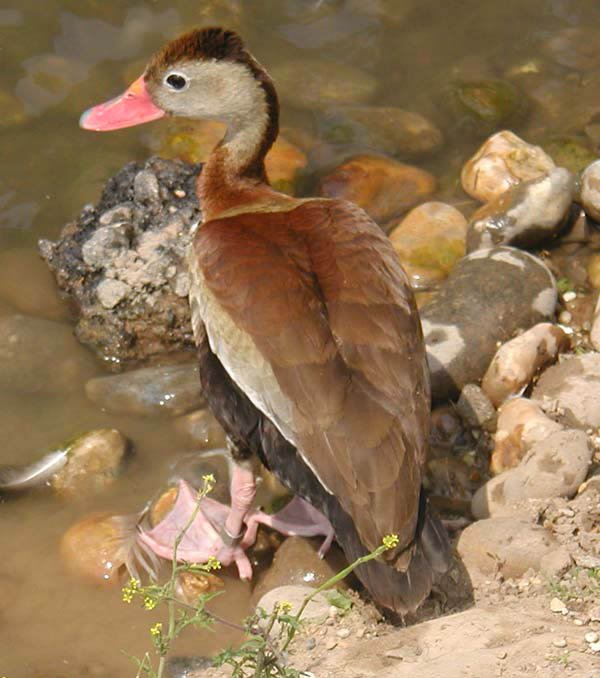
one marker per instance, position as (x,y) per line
(234,175)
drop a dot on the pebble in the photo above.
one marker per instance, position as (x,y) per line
(559,642)
(310,644)
(590,190)
(591,637)
(507,545)
(517,361)
(171,390)
(145,187)
(385,129)
(557,606)
(201,429)
(461,323)
(330,83)
(112,292)
(476,409)
(58,364)
(595,647)
(526,215)
(105,245)
(573,386)
(553,467)
(503,161)
(383,187)
(429,241)
(343,633)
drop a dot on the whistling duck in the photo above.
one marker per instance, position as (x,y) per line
(310,346)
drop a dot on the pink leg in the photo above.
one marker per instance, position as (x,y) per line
(243,491)
(298,518)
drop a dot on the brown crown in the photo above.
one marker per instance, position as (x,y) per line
(202,43)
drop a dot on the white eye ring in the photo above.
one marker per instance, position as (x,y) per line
(176,81)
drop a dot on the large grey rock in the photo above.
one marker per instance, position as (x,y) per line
(41,356)
(553,467)
(489,295)
(574,385)
(505,544)
(526,215)
(172,390)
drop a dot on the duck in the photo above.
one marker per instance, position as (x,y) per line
(309,340)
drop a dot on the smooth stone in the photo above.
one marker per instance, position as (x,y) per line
(503,161)
(521,424)
(479,106)
(41,356)
(476,409)
(201,429)
(517,361)
(507,545)
(595,329)
(385,129)
(94,461)
(574,385)
(194,140)
(487,298)
(330,83)
(527,214)
(575,48)
(28,286)
(590,190)
(169,390)
(381,186)
(429,241)
(297,563)
(554,467)
(317,609)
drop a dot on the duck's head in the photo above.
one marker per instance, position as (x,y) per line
(206,74)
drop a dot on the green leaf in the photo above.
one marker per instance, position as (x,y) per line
(339,600)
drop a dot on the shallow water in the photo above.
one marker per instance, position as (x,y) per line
(61,56)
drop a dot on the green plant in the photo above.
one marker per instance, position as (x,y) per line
(264,653)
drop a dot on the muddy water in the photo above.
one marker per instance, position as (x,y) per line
(58,57)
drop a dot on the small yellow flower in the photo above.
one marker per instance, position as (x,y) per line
(390,541)
(127,595)
(284,607)
(149,603)
(213,564)
(209,481)
(156,630)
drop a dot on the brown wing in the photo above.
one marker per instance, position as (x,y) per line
(311,314)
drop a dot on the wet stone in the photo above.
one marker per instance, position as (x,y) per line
(124,265)
(201,429)
(502,162)
(57,364)
(570,152)
(590,190)
(384,188)
(429,240)
(169,390)
(384,129)
(572,386)
(488,297)
(575,48)
(330,83)
(528,214)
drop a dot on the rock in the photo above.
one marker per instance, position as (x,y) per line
(557,606)
(521,424)
(593,271)
(383,187)
(506,545)
(595,329)
(58,364)
(330,83)
(194,140)
(575,48)
(573,385)
(94,461)
(516,362)
(527,214)
(384,129)
(317,609)
(481,106)
(570,152)
(487,298)
(556,563)
(201,429)
(590,190)
(123,264)
(553,467)
(170,390)
(429,240)
(475,408)
(27,285)
(192,585)
(297,563)
(502,162)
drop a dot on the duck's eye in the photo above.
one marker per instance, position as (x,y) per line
(176,81)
